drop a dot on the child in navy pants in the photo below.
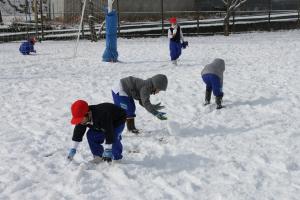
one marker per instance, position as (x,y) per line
(175,35)
(212,75)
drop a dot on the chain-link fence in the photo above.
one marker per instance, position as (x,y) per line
(58,19)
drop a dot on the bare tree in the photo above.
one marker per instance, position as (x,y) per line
(17,8)
(1,20)
(231,6)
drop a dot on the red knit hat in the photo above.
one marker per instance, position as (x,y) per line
(32,40)
(79,109)
(173,20)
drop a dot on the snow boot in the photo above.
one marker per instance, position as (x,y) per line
(131,126)
(174,62)
(207,97)
(219,102)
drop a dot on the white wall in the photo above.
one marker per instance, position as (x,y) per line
(56,8)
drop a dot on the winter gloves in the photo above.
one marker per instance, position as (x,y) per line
(107,154)
(72,153)
(158,106)
(161,115)
(184,44)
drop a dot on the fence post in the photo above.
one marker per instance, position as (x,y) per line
(49,10)
(1,21)
(270,7)
(298,18)
(26,14)
(162,17)
(118,12)
(198,16)
(298,13)
(233,21)
(42,21)
(36,18)
(82,25)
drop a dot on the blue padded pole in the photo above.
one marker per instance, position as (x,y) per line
(111,54)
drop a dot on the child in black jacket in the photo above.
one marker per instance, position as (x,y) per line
(106,122)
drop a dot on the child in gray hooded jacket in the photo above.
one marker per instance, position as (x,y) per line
(212,75)
(131,88)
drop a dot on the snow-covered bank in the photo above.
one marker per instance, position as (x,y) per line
(249,150)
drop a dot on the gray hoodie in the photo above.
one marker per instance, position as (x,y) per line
(141,90)
(217,67)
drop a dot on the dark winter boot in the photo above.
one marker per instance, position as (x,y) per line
(219,102)
(131,126)
(207,97)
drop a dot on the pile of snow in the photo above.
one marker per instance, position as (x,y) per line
(248,150)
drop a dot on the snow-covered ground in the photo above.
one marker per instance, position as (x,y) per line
(249,150)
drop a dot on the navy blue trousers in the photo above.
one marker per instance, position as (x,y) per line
(97,138)
(127,103)
(175,50)
(213,83)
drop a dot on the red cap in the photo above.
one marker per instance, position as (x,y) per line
(79,109)
(173,20)
(32,40)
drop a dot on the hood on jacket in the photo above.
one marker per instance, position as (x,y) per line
(218,64)
(160,81)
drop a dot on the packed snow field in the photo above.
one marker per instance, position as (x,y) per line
(248,150)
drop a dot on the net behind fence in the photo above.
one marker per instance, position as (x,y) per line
(60,19)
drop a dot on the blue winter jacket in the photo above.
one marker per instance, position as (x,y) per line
(26,48)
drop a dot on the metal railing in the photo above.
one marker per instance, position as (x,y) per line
(133,24)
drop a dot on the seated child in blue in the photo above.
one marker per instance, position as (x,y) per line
(27,47)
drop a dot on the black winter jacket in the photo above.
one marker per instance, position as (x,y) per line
(177,35)
(105,117)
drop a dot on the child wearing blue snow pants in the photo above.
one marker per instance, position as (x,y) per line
(97,138)
(27,47)
(212,75)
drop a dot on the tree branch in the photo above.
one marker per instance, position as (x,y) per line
(225,2)
(15,7)
(234,4)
